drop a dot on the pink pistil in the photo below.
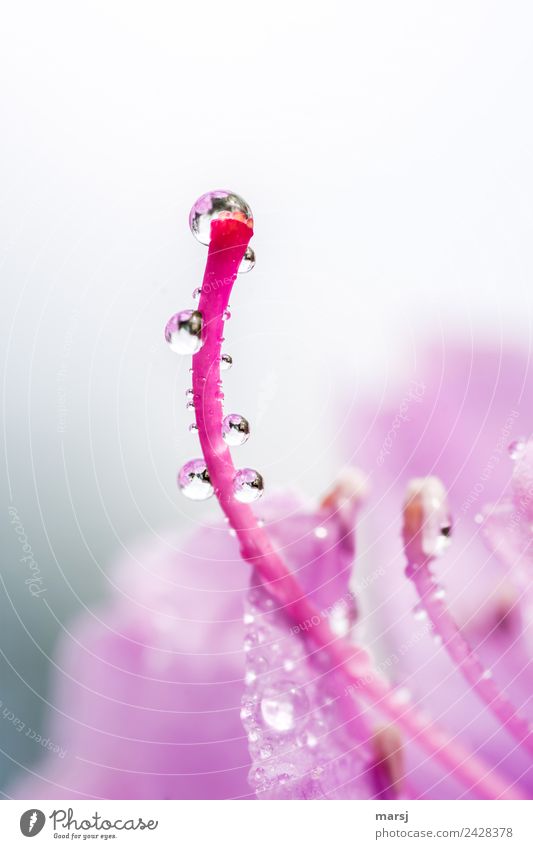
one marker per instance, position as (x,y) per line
(229,240)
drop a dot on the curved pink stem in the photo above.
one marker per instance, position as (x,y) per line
(229,239)
(464,657)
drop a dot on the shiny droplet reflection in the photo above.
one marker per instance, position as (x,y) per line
(219,203)
(248,486)
(281,706)
(516,449)
(235,429)
(248,260)
(194,481)
(183,332)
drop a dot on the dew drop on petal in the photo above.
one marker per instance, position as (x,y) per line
(193,427)
(183,332)
(196,293)
(516,448)
(419,612)
(226,315)
(248,260)
(282,706)
(235,429)
(194,481)
(226,362)
(257,777)
(219,203)
(248,486)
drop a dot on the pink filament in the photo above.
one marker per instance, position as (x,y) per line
(465,658)
(229,240)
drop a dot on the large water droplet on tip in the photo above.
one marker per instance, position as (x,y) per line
(183,332)
(248,486)
(248,260)
(235,429)
(194,481)
(217,204)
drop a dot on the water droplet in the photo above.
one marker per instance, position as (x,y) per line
(248,260)
(248,486)
(258,777)
(232,532)
(443,540)
(486,675)
(226,315)
(438,594)
(235,429)
(248,618)
(226,362)
(258,663)
(478,518)
(250,677)
(419,612)
(320,532)
(343,615)
(401,696)
(248,708)
(193,427)
(189,405)
(282,706)
(194,481)
(316,772)
(183,332)
(516,448)
(266,751)
(217,204)
(254,734)
(306,738)
(196,293)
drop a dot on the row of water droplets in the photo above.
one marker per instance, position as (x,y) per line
(298,743)
(183,333)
